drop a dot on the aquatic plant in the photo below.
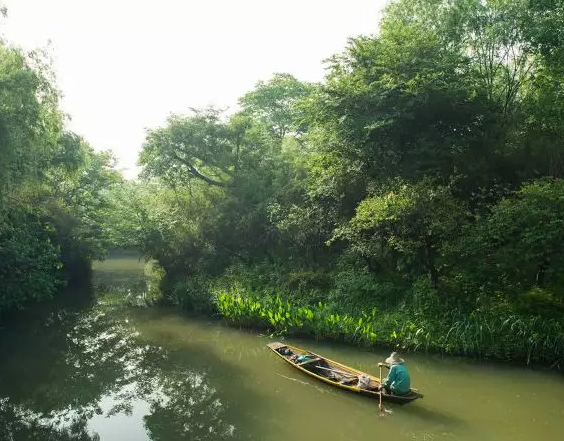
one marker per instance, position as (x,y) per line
(512,337)
(281,316)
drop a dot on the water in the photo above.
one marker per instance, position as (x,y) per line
(95,370)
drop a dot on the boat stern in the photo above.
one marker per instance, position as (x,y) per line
(276,345)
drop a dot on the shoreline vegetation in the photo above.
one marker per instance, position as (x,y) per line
(412,198)
(494,335)
(510,338)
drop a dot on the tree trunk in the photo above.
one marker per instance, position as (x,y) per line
(541,274)
(430,263)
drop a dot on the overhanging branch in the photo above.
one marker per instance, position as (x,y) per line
(196,173)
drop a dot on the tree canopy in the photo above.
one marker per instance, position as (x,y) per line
(423,173)
(420,143)
(53,185)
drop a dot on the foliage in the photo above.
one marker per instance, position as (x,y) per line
(512,337)
(421,177)
(192,295)
(29,260)
(198,146)
(516,248)
(276,104)
(412,222)
(283,316)
(77,193)
(52,185)
(29,117)
(357,288)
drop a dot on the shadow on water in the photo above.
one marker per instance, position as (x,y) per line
(72,367)
(420,411)
(33,372)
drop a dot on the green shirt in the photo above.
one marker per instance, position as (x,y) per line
(398,379)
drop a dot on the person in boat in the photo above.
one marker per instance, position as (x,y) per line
(398,381)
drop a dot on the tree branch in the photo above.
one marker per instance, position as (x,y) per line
(196,173)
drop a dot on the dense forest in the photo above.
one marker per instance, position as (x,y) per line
(54,188)
(413,198)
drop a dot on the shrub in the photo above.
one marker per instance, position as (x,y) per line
(193,295)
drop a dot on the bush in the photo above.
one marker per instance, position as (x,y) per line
(193,295)
(29,262)
(307,283)
(357,289)
(154,277)
(541,301)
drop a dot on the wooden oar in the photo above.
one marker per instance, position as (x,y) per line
(381,406)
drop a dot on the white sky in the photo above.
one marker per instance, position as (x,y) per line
(124,65)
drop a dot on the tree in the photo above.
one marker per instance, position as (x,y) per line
(221,177)
(276,104)
(413,138)
(29,117)
(199,146)
(52,185)
(518,246)
(411,221)
(77,200)
(30,259)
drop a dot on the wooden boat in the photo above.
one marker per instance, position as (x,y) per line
(338,374)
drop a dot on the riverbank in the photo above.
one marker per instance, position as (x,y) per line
(495,334)
(485,336)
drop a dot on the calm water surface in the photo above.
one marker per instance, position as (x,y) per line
(95,370)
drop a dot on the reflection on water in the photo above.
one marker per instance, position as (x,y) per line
(88,369)
(83,373)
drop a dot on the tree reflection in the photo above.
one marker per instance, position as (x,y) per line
(19,424)
(60,373)
(188,408)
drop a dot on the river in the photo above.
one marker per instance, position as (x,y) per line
(85,367)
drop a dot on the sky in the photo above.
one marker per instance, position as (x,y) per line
(125,65)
